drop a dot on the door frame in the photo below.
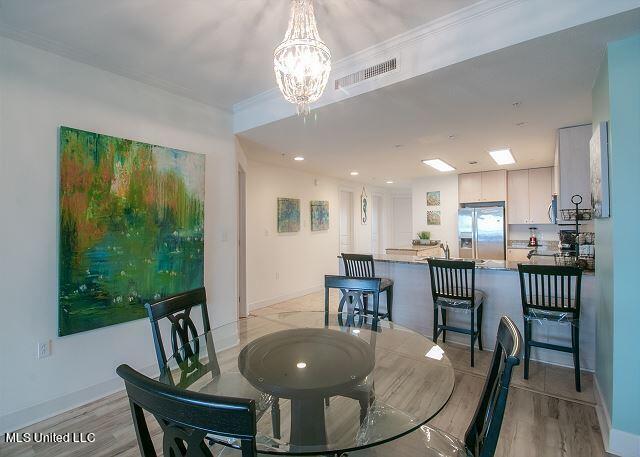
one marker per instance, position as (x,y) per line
(353,210)
(242,310)
(381,222)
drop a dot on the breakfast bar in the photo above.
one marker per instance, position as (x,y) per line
(413,305)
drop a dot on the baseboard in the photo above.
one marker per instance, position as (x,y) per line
(47,409)
(615,441)
(280,298)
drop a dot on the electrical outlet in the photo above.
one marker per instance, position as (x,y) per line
(44,349)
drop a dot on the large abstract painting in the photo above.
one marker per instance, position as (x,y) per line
(319,215)
(131,227)
(288,215)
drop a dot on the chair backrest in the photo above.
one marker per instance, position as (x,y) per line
(358,265)
(550,288)
(177,309)
(187,417)
(353,291)
(483,432)
(454,279)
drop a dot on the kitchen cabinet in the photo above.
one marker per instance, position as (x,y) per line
(540,192)
(529,195)
(470,187)
(572,166)
(486,186)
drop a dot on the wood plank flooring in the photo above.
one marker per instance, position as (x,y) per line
(545,416)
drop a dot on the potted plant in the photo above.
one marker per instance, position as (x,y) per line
(424,237)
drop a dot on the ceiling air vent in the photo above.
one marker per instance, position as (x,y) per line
(367,73)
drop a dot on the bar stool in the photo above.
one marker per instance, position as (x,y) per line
(551,293)
(362,266)
(453,286)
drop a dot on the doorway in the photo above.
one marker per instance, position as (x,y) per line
(242,239)
(346,221)
(402,233)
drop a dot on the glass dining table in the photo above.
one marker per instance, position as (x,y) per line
(323,384)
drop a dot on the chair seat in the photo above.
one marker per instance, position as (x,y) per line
(461,303)
(554,316)
(384,420)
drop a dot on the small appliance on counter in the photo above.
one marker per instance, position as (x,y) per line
(533,237)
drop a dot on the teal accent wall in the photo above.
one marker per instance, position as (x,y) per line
(604,269)
(624,105)
(616,95)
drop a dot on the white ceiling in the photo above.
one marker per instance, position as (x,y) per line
(216,51)
(551,78)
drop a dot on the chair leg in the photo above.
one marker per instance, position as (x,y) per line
(389,302)
(443,311)
(275,418)
(575,339)
(480,327)
(472,336)
(527,347)
(435,324)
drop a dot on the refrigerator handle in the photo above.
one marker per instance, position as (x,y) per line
(475,234)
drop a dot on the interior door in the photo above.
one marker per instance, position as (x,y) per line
(376,224)
(402,233)
(346,221)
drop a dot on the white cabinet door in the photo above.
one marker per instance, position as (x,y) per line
(518,197)
(470,187)
(540,190)
(573,155)
(494,186)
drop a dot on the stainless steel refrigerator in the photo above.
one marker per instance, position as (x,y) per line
(481,233)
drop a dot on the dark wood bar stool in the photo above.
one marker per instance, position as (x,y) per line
(551,293)
(453,286)
(362,266)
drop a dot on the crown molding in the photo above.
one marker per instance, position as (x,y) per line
(453,38)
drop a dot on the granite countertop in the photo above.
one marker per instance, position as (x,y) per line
(500,265)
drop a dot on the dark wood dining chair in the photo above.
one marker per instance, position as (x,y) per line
(551,293)
(353,293)
(363,266)
(483,432)
(187,418)
(453,286)
(185,348)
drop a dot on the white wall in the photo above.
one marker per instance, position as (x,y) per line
(448,187)
(39,92)
(300,260)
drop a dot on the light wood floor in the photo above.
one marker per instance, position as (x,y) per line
(545,415)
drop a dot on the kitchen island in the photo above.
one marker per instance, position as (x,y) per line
(498,279)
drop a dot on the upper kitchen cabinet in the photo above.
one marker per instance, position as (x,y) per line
(530,195)
(572,166)
(487,186)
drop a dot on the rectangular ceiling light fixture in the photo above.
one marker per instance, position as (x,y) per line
(438,164)
(502,156)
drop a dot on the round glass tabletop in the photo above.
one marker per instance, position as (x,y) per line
(322,383)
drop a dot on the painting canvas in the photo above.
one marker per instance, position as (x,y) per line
(433,198)
(131,227)
(319,215)
(433,217)
(599,170)
(288,215)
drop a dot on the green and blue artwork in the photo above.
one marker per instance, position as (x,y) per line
(319,215)
(131,227)
(288,215)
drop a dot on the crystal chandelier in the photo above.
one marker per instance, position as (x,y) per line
(302,62)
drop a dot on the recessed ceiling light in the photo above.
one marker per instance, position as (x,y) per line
(298,158)
(389,182)
(398,146)
(354,173)
(521,124)
(438,164)
(502,156)
(301,365)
